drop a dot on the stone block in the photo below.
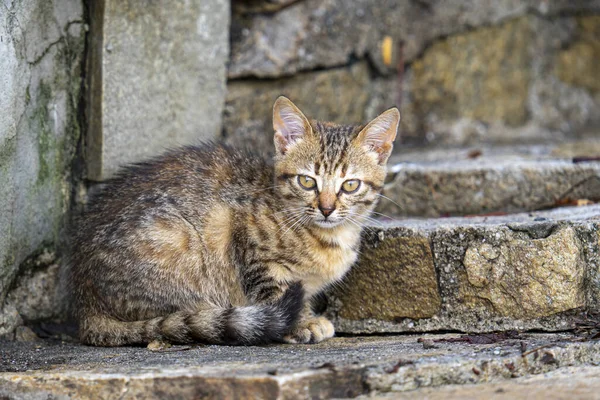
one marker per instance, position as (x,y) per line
(506,272)
(393,265)
(157,78)
(480,75)
(577,63)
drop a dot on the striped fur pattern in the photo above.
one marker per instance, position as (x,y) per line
(216,245)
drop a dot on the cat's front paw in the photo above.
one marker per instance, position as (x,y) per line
(313,330)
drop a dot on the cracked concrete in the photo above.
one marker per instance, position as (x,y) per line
(340,367)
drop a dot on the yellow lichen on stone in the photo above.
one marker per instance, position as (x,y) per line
(482,74)
(526,278)
(578,64)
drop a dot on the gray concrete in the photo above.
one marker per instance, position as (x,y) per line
(340,367)
(481,186)
(41,62)
(564,383)
(157,78)
(523,271)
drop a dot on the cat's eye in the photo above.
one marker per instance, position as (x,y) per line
(351,186)
(306,182)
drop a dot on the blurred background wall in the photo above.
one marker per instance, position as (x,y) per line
(86,85)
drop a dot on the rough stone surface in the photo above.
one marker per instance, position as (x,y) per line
(157,78)
(338,94)
(470,72)
(41,54)
(508,273)
(338,368)
(315,34)
(480,186)
(458,92)
(564,383)
(38,293)
(576,63)
(493,60)
(398,268)
(525,271)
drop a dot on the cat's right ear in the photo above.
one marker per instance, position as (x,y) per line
(289,123)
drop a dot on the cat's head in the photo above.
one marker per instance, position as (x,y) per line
(330,175)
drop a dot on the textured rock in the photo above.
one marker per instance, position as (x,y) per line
(314,33)
(38,292)
(471,71)
(157,78)
(511,274)
(576,63)
(340,95)
(481,186)
(337,368)
(41,54)
(399,268)
(480,75)
(525,271)
(460,91)
(571,382)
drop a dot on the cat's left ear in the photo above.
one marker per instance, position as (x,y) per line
(378,136)
(289,123)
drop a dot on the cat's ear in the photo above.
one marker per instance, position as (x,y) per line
(378,136)
(289,123)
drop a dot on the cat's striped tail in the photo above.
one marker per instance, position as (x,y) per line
(248,325)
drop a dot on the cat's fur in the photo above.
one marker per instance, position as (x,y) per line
(211,244)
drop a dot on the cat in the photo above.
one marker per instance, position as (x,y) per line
(216,245)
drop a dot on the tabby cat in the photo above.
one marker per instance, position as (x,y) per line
(216,245)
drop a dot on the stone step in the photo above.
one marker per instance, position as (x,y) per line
(531,271)
(453,183)
(564,383)
(341,367)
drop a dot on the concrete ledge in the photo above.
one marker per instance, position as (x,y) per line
(487,185)
(340,367)
(525,271)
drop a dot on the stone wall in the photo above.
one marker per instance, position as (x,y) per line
(41,54)
(461,71)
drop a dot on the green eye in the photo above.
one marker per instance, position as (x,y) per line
(306,182)
(351,186)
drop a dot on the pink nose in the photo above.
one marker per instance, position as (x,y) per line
(326,210)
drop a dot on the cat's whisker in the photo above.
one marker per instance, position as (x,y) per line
(294,224)
(383,215)
(387,198)
(350,219)
(290,220)
(366,218)
(302,222)
(289,215)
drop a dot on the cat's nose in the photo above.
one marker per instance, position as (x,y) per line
(326,210)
